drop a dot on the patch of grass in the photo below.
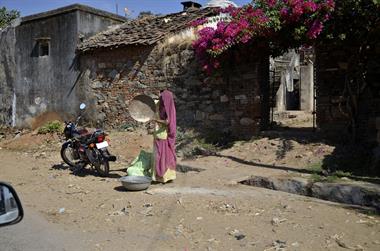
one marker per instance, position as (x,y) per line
(191,143)
(183,136)
(319,178)
(340,173)
(316,167)
(332,178)
(51,127)
(316,178)
(205,145)
(130,127)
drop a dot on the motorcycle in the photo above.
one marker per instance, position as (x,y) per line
(83,148)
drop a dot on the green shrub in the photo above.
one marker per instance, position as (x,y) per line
(51,127)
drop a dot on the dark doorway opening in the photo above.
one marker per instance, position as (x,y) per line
(293,101)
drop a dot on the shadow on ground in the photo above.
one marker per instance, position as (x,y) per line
(83,172)
(353,161)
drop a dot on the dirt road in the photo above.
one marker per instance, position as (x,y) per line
(35,233)
(201,210)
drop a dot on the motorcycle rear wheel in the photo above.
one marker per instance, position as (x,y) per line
(68,156)
(103,168)
(99,161)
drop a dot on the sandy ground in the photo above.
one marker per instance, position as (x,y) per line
(204,210)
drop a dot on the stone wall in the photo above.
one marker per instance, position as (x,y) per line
(307,87)
(235,101)
(331,109)
(33,86)
(7,74)
(378,131)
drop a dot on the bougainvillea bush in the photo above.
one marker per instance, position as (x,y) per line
(279,24)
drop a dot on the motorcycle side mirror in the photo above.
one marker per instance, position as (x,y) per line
(82,106)
(11,211)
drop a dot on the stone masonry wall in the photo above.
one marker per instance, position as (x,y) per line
(7,74)
(331,109)
(232,102)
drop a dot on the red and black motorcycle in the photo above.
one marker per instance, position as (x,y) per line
(83,148)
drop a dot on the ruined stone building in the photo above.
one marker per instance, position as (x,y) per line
(146,55)
(292,77)
(52,61)
(38,64)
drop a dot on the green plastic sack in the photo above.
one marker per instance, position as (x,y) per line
(142,165)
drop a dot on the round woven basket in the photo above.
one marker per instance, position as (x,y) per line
(142,108)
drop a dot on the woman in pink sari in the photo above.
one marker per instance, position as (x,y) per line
(164,157)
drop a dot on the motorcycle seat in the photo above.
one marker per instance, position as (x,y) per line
(83,131)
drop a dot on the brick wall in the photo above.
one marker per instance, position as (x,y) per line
(236,100)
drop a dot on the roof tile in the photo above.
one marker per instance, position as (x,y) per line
(147,31)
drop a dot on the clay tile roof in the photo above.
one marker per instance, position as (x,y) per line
(145,31)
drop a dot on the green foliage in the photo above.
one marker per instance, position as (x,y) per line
(204,145)
(316,178)
(354,27)
(316,167)
(319,178)
(129,126)
(332,178)
(6,16)
(51,127)
(342,174)
(191,143)
(352,22)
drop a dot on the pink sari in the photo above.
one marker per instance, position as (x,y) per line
(165,157)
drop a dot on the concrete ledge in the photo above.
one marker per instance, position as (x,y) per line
(355,193)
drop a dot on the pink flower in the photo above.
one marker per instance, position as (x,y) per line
(207,32)
(220,27)
(271,3)
(198,22)
(243,23)
(326,17)
(315,29)
(284,12)
(310,6)
(297,10)
(330,4)
(232,30)
(260,21)
(245,39)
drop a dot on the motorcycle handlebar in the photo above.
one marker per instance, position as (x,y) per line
(77,120)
